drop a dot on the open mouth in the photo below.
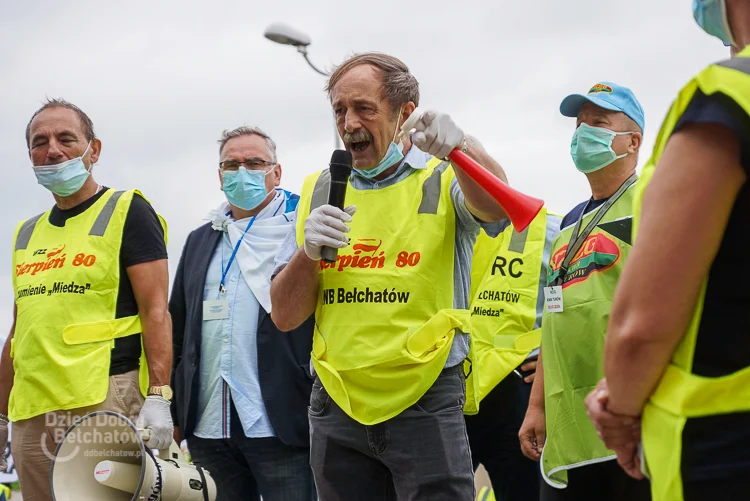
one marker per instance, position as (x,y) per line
(360,146)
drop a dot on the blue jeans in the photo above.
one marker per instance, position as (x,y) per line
(420,455)
(247,468)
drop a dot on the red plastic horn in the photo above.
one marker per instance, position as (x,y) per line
(521,209)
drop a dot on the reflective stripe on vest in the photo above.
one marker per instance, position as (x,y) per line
(505,302)
(430,190)
(573,340)
(384,319)
(66,283)
(680,394)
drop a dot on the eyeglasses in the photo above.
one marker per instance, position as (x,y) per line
(253,163)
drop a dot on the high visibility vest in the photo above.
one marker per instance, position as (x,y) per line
(573,340)
(484,494)
(66,282)
(384,318)
(681,394)
(505,299)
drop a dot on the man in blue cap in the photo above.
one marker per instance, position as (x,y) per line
(586,260)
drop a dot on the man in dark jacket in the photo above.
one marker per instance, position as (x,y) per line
(241,385)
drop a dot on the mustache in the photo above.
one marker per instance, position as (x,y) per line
(357,137)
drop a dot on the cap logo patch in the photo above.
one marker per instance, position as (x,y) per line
(600,88)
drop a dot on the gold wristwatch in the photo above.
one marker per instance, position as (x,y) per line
(163,391)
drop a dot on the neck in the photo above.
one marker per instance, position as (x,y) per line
(605,182)
(87,191)
(390,170)
(238,213)
(740,24)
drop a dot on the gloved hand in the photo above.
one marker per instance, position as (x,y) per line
(3,443)
(155,416)
(326,227)
(436,133)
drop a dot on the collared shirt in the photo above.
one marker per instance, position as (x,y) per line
(467,229)
(229,349)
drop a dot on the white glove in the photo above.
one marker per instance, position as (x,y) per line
(3,443)
(155,416)
(436,133)
(326,227)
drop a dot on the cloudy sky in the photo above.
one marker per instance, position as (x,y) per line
(162,79)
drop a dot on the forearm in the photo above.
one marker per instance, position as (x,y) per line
(157,343)
(294,292)
(478,201)
(697,181)
(150,282)
(6,375)
(633,366)
(537,387)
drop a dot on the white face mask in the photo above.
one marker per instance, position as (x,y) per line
(66,178)
(393,155)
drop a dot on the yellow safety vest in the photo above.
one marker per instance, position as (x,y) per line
(681,394)
(384,319)
(66,281)
(573,339)
(505,299)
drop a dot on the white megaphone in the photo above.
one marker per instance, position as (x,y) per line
(102,457)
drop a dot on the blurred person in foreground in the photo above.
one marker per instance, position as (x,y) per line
(677,358)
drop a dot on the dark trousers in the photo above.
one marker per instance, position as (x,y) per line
(716,489)
(599,482)
(420,455)
(246,468)
(493,436)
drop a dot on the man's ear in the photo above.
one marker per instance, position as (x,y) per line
(636,140)
(406,112)
(277,173)
(221,180)
(96,150)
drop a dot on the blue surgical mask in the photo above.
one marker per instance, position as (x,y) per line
(711,15)
(244,188)
(63,179)
(393,155)
(591,148)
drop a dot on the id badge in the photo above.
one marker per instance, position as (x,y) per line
(216,310)
(553,298)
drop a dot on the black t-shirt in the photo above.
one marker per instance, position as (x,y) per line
(142,242)
(719,446)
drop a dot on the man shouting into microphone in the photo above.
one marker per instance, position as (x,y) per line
(386,417)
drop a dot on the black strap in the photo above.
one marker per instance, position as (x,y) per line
(577,239)
(158,485)
(203,480)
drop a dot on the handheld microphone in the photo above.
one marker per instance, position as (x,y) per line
(340,169)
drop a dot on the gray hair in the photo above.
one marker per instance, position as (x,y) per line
(247,131)
(86,124)
(398,85)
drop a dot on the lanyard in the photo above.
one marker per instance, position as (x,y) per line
(223,289)
(576,239)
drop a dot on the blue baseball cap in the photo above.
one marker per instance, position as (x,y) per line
(609,96)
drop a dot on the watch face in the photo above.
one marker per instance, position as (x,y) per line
(163,391)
